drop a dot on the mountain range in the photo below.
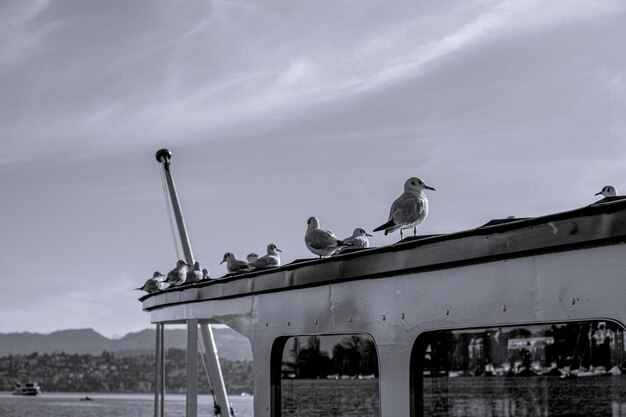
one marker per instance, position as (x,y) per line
(230,344)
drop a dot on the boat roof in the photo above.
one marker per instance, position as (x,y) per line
(601,223)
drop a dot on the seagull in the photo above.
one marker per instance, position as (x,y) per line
(178,275)
(357,240)
(205,274)
(320,242)
(154,284)
(608,191)
(251,257)
(271,259)
(233,264)
(408,210)
(195,274)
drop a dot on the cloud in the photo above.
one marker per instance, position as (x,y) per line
(497,23)
(21,35)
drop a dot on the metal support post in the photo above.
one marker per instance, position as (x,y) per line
(192,368)
(162,360)
(159,372)
(215,372)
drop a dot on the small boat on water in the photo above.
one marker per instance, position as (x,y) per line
(29,388)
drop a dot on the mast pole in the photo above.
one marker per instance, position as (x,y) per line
(163,156)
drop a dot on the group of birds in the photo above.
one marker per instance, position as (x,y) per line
(180,275)
(407,212)
(253,261)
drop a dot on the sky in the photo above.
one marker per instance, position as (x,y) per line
(276,111)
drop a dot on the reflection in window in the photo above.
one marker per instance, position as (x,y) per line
(329,375)
(567,369)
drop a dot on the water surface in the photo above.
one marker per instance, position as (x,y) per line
(108,405)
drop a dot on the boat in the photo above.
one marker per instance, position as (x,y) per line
(86,398)
(510,294)
(28,388)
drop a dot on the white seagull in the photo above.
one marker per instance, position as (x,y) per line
(266,261)
(357,240)
(408,210)
(195,274)
(233,264)
(177,275)
(205,274)
(319,241)
(155,283)
(251,257)
(608,191)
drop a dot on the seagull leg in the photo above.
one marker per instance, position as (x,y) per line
(414,231)
(400,234)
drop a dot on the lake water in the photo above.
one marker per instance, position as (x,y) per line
(542,396)
(108,405)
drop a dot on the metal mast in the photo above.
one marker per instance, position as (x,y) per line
(216,380)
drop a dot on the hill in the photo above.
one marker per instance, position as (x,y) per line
(230,344)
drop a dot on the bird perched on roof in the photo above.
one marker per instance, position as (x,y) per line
(178,275)
(251,257)
(608,191)
(154,284)
(205,274)
(266,261)
(195,274)
(233,264)
(357,240)
(408,210)
(319,241)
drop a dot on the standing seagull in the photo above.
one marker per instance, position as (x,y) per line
(205,274)
(177,275)
(195,274)
(608,191)
(409,210)
(233,264)
(154,284)
(357,240)
(319,241)
(271,259)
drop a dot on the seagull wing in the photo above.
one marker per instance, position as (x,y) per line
(321,239)
(262,262)
(406,209)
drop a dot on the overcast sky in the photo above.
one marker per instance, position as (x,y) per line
(276,111)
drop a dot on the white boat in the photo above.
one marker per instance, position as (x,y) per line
(443,305)
(29,388)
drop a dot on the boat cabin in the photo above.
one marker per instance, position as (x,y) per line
(516,317)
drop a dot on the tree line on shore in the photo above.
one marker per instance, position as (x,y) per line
(62,372)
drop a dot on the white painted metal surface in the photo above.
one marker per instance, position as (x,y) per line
(580,284)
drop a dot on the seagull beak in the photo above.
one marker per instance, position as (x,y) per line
(278,250)
(429,187)
(223,260)
(598,193)
(367,234)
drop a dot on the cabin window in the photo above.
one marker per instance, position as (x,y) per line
(327,375)
(563,369)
